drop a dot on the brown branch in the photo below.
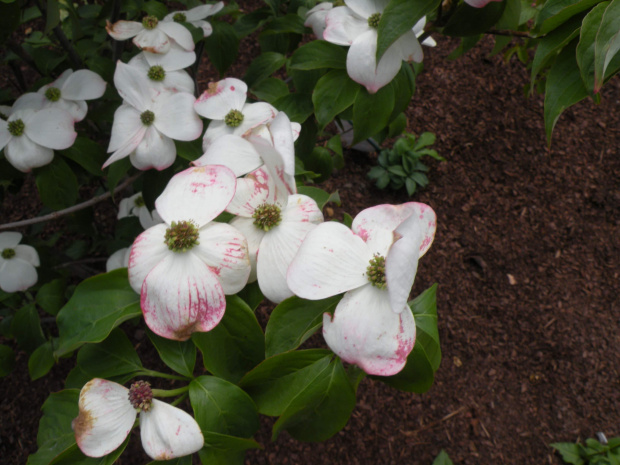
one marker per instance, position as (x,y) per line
(73,209)
(496,32)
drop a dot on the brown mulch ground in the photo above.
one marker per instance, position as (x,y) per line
(527,257)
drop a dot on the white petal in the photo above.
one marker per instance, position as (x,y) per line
(9,239)
(176,118)
(174,60)
(30,100)
(233,152)
(83,85)
(315,18)
(254,236)
(28,254)
(284,141)
(154,151)
(154,40)
(24,154)
(251,192)
(225,250)
(203,11)
(180,296)
(207,29)
(366,8)
(408,48)
(126,128)
(362,64)
(146,252)
(106,417)
(281,184)
(127,205)
(343,26)
(178,33)
(122,30)
(58,83)
(168,432)
(215,130)
(17,275)
(221,97)
(255,114)
(51,128)
(198,194)
(76,108)
(119,259)
(330,261)
(365,331)
(133,86)
(178,81)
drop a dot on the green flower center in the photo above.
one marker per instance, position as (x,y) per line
(8,254)
(147,117)
(156,73)
(141,396)
(52,94)
(16,128)
(267,216)
(150,22)
(139,202)
(234,118)
(181,236)
(373,20)
(376,271)
(179,18)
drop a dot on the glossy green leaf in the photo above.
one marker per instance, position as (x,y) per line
(607,43)
(235,345)
(155,8)
(262,67)
(564,88)
(7,360)
(57,185)
(334,93)
(321,409)
(178,355)
(98,305)
(252,295)
(186,460)
(189,150)
(417,376)
(113,357)
(51,296)
(270,89)
(213,456)
(586,47)
(424,308)
(403,85)
(222,407)
(319,195)
(117,171)
(277,381)
(551,44)
(371,112)
(74,456)
(26,327)
(41,361)
(88,154)
(570,452)
(557,12)
(297,106)
(52,15)
(222,46)
(399,17)
(295,320)
(220,446)
(319,54)
(442,459)
(469,21)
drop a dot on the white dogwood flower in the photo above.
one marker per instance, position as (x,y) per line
(108,412)
(196,16)
(135,206)
(152,35)
(17,262)
(164,76)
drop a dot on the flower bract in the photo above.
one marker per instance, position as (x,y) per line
(196,16)
(17,263)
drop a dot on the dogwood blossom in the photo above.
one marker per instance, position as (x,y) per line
(108,412)
(17,262)
(152,35)
(374,264)
(163,76)
(184,268)
(147,121)
(30,137)
(135,206)
(356,25)
(224,103)
(196,16)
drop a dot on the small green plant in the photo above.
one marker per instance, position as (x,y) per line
(592,453)
(401,167)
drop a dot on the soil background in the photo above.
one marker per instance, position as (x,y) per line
(527,257)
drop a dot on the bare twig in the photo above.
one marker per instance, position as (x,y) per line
(496,32)
(67,211)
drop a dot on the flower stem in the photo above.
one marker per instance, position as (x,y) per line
(170,392)
(158,374)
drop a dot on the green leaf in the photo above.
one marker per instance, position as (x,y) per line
(53,15)
(98,305)
(556,12)
(270,89)
(335,145)
(277,381)
(334,93)
(424,308)
(235,345)
(607,43)
(586,47)
(403,85)
(319,54)
(399,17)
(262,67)
(116,172)
(55,434)
(26,327)
(41,361)
(252,295)
(319,195)
(186,460)
(467,43)
(222,46)
(510,16)
(551,44)
(113,357)
(51,296)
(297,106)
(221,407)
(7,360)
(74,456)
(321,409)
(371,112)
(469,21)
(57,185)
(442,459)
(155,8)
(564,88)
(189,150)
(88,154)
(570,452)
(295,320)
(178,355)
(417,376)
(211,456)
